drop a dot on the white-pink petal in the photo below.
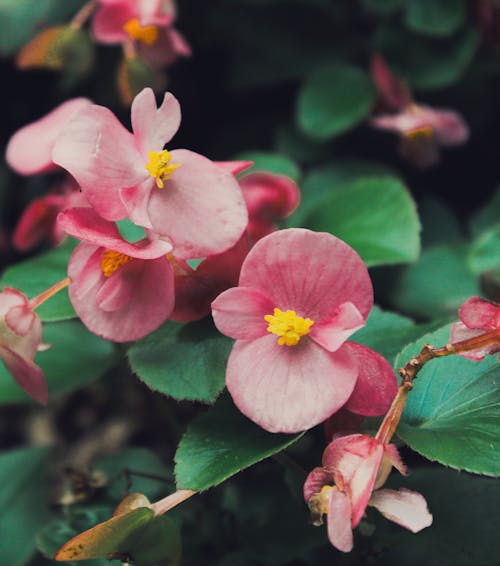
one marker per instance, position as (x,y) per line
(404,507)
(339,521)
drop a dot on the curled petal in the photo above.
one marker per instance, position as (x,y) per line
(315,480)
(331,333)
(20,319)
(461,332)
(404,507)
(26,374)
(480,313)
(339,521)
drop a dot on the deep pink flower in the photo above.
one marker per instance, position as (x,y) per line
(393,93)
(478,316)
(354,468)
(180,195)
(121,291)
(20,339)
(301,294)
(29,150)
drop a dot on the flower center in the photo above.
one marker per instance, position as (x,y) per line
(423,133)
(288,326)
(318,504)
(159,166)
(147,34)
(111,261)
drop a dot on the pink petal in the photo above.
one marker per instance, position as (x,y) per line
(108,22)
(200,209)
(449,127)
(118,290)
(392,454)
(391,90)
(404,507)
(288,389)
(239,313)
(309,272)
(101,155)
(331,333)
(480,313)
(36,223)
(234,167)
(153,127)
(460,332)
(85,224)
(136,200)
(376,386)
(20,319)
(29,150)
(339,521)
(169,46)
(315,480)
(26,374)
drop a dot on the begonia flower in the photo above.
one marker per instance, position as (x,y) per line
(301,294)
(477,317)
(178,194)
(29,150)
(354,468)
(121,291)
(20,339)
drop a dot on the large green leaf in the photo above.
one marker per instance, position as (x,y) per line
(453,412)
(37,274)
(484,253)
(271,162)
(184,361)
(76,357)
(221,443)
(23,500)
(435,17)
(333,100)
(376,216)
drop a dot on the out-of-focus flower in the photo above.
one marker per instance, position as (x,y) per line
(477,317)
(301,294)
(354,468)
(20,339)
(121,291)
(178,194)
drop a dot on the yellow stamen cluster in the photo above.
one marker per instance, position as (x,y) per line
(288,326)
(418,134)
(146,34)
(159,166)
(318,504)
(111,261)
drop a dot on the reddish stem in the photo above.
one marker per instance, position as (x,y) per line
(45,295)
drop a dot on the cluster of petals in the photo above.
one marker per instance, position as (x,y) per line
(148,23)
(198,207)
(422,129)
(478,316)
(324,285)
(20,339)
(353,469)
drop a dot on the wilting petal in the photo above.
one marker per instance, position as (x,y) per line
(376,386)
(288,389)
(339,521)
(315,480)
(309,272)
(239,313)
(26,374)
(332,332)
(449,127)
(154,127)
(461,332)
(20,319)
(404,507)
(480,313)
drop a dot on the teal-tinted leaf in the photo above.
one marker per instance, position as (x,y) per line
(437,285)
(376,216)
(435,17)
(130,231)
(453,412)
(484,253)
(184,361)
(35,275)
(24,502)
(271,162)
(76,358)
(333,100)
(440,225)
(221,443)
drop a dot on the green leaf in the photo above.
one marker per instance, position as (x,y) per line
(453,411)
(76,358)
(437,285)
(271,162)
(159,543)
(376,216)
(435,17)
(37,274)
(184,361)
(333,100)
(23,500)
(221,443)
(486,217)
(484,253)
(130,231)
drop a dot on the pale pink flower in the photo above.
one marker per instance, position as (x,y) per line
(29,150)
(301,294)
(121,291)
(354,468)
(179,195)
(20,339)
(477,316)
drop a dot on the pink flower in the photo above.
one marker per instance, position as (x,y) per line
(121,291)
(478,316)
(20,339)
(180,195)
(354,468)
(301,294)
(393,93)
(29,150)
